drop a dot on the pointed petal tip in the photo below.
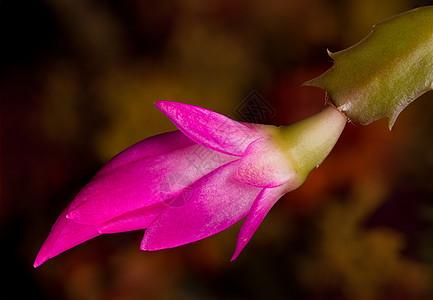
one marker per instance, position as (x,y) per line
(38,262)
(173,110)
(160,103)
(44,254)
(236,254)
(145,245)
(260,208)
(64,235)
(165,105)
(40,259)
(150,243)
(240,244)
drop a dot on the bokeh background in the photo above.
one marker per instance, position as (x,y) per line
(78,82)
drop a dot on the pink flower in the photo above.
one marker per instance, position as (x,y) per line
(186,185)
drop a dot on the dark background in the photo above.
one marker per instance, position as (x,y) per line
(78,82)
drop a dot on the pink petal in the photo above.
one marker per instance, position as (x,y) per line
(152,146)
(212,204)
(208,128)
(142,183)
(137,219)
(264,165)
(149,147)
(260,208)
(64,235)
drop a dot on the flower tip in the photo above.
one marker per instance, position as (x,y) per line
(162,105)
(37,263)
(173,109)
(159,103)
(235,255)
(144,245)
(149,244)
(41,258)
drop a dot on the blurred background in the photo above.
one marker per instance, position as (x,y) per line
(78,82)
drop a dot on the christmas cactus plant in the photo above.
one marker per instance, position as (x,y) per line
(246,167)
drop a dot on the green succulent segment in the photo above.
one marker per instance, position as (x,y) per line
(384,72)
